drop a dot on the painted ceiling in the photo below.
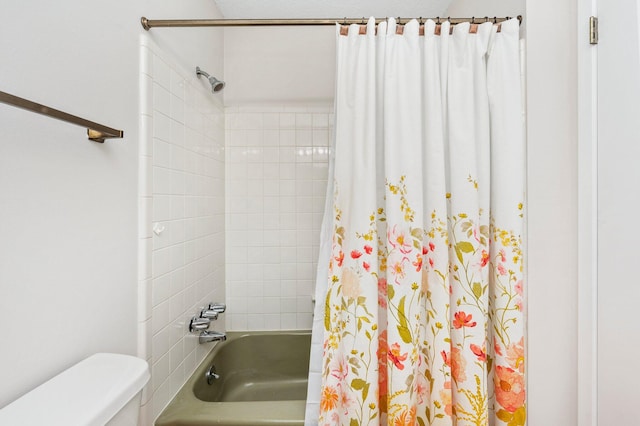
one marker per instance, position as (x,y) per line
(290,9)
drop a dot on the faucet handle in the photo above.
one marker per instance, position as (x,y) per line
(217,307)
(198,324)
(209,313)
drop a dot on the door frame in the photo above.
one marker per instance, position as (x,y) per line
(587,368)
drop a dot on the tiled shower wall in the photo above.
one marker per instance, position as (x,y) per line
(181,212)
(277,162)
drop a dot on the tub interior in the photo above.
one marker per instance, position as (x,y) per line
(258,368)
(262,382)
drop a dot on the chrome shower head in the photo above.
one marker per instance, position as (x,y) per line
(216,85)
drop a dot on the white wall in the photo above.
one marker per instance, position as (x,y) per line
(552,211)
(279,65)
(68,282)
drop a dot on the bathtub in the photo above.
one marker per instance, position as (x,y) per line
(262,380)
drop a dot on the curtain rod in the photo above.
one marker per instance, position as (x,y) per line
(147,24)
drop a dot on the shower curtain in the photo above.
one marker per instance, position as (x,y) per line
(419,317)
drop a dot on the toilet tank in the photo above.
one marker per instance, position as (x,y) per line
(101,389)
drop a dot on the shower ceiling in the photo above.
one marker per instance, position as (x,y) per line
(261,9)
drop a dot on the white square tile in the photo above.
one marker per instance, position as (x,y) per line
(287,171)
(160,317)
(161,289)
(287,138)
(271,120)
(161,208)
(146,95)
(255,322)
(321,138)
(177,109)
(161,126)
(304,138)
(304,321)
(288,321)
(161,72)
(238,322)
(161,99)
(271,138)
(303,120)
(272,321)
(320,120)
(287,120)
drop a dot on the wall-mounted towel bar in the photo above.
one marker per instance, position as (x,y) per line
(95,132)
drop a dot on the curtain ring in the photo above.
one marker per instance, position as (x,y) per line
(345,21)
(473,19)
(362,23)
(495,20)
(486,19)
(438,20)
(420,20)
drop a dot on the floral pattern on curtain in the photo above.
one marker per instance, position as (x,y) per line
(424,309)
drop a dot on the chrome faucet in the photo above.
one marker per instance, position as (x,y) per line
(212,336)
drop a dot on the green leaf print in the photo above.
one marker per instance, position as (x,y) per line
(465,246)
(403,327)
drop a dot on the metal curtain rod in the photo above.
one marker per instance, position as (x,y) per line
(95,132)
(147,24)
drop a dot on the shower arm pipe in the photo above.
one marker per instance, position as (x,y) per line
(147,24)
(95,132)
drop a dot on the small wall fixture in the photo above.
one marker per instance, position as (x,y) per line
(216,85)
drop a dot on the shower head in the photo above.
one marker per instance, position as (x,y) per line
(216,85)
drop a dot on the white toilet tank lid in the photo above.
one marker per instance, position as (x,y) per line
(88,393)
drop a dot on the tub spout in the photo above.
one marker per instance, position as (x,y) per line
(211,336)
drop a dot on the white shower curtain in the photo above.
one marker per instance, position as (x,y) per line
(419,317)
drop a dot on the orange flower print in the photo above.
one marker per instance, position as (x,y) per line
(447,399)
(425,282)
(339,368)
(496,346)
(461,319)
(485,259)
(355,254)
(382,371)
(479,352)
(345,401)
(368,249)
(425,250)
(519,288)
(395,357)
(350,284)
(340,258)
(446,357)
(418,263)
(397,269)
(366,266)
(458,365)
(400,239)
(406,418)
(501,269)
(510,389)
(382,293)
(328,399)
(503,255)
(515,355)
(432,246)
(431,262)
